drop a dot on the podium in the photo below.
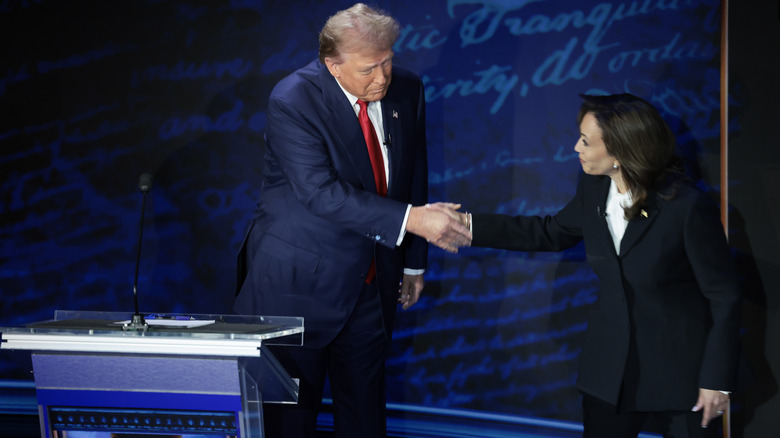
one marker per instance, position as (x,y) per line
(185,375)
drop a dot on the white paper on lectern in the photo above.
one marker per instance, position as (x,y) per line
(173,323)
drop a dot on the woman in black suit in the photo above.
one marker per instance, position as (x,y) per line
(662,336)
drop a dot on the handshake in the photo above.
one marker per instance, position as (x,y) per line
(441,224)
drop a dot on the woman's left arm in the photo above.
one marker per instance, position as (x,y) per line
(716,275)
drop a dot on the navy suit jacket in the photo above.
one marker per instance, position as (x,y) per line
(666,321)
(319,221)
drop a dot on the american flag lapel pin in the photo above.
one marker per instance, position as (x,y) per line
(395,114)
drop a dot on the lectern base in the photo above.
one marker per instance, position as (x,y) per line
(149,395)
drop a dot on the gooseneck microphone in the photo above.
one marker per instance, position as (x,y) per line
(145,184)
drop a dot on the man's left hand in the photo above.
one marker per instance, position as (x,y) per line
(411,286)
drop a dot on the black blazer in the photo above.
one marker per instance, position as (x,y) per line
(666,319)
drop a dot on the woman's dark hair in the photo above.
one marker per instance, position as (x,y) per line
(638,137)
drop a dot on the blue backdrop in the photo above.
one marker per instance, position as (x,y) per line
(92,94)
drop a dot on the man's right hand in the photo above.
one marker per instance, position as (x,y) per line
(440,225)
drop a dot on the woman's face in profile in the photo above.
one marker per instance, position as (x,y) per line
(594,158)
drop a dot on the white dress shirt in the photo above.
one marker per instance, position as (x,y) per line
(374,110)
(616,215)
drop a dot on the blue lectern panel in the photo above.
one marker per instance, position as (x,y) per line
(136,373)
(83,392)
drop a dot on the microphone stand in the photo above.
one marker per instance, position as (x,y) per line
(138,322)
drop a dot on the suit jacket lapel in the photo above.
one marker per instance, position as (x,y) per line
(601,214)
(639,225)
(347,128)
(391,123)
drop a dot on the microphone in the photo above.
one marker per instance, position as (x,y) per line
(599,213)
(138,323)
(145,182)
(388,142)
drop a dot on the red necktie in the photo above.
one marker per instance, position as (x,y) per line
(374,151)
(377,163)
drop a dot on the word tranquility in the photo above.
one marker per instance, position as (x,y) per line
(574,61)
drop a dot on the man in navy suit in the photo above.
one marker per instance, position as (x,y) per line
(332,238)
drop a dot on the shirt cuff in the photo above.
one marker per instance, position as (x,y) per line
(408,271)
(402,234)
